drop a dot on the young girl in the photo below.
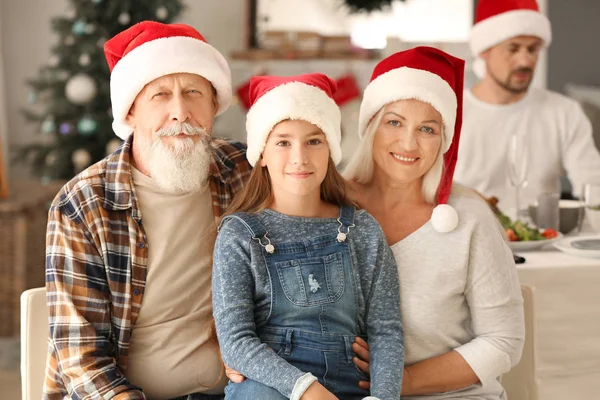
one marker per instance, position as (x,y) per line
(298,272)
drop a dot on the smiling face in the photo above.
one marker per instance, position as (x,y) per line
(408,141)
(296,155)
(511,64)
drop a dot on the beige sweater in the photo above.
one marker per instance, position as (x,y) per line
(171,354)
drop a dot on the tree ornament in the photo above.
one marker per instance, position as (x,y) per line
(53,61)
(162,13)
(87,126)
(48,125)
(124,18)
(113,145)
(32,97)
(100,42)
(70,13)
(78,28)
(90,28)
(80,89)
(84,60)
(65,128)
(81,159)
(51,159)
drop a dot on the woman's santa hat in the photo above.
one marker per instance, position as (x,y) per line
(149,50)
(434,77)
(306,97)
(500,20)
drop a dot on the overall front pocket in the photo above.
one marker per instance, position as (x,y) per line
(312,281)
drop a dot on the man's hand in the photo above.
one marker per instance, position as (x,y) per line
(234,376)
(361,348)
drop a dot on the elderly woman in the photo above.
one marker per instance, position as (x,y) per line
(460,297)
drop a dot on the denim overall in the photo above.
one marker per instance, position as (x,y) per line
(313,318)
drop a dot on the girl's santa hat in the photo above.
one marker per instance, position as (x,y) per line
(306,97)
(500,20)
(434,77)
(149,50)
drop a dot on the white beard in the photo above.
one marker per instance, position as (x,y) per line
(182,168)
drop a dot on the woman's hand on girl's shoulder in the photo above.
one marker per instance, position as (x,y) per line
(316,391)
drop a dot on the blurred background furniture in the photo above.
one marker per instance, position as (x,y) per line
(23,218)
(34,342)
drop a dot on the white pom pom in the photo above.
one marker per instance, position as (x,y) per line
(444,218)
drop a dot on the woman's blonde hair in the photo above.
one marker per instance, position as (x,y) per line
(361,165)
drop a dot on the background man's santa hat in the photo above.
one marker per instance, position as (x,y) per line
(500,20)
(149,50)
(306,97)
(434,77)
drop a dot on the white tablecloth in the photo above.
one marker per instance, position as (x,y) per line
(567,307)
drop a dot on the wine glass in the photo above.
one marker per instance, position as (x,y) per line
(517,165)
(591,202)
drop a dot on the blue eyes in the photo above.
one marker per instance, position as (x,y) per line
(397,124)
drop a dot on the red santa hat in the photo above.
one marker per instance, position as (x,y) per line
(149,50)
(306,97)
(499,20)
(434,77)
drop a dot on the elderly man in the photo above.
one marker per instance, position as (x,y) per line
(507,38)
(129,248)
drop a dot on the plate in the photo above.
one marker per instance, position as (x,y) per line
(533,244)
(581,246)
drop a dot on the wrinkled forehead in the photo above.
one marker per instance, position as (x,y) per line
(185,79)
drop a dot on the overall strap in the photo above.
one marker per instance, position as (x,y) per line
(346,220)
(256,229)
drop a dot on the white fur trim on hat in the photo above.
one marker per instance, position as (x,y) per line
(444,218)
(410,83)
(493,30)
(295,101)
(162,57)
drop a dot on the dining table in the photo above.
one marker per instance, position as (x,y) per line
(566,301)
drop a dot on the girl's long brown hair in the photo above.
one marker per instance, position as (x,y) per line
(258,192)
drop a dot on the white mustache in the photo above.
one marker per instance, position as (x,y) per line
(183,127)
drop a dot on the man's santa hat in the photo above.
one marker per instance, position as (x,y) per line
(500,20)
(434,77)
(149,50)
(306,97)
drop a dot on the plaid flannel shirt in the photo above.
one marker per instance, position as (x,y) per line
(96,258)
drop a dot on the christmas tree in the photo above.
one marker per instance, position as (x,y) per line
(72,92)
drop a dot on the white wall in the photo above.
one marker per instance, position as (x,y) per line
(26,38)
